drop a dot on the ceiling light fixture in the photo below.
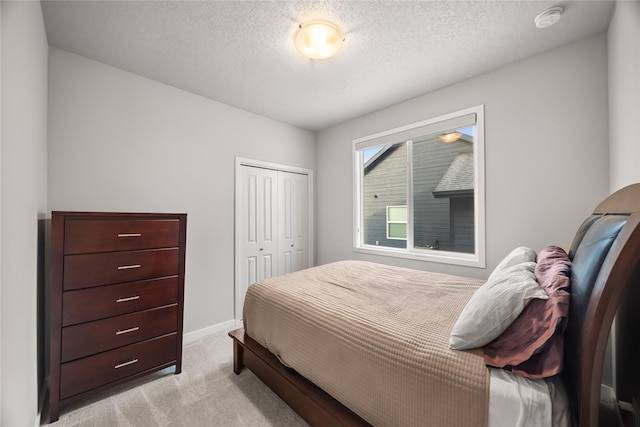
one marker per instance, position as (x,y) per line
(548,17)
(450,137)
(318,39)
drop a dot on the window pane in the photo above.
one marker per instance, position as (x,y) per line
(397,213)
(443,191)
(397,231)
(384,183)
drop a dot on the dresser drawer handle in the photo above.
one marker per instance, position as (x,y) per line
(129,234)
(122,365)
(128,267)
(128,298)
(126,331)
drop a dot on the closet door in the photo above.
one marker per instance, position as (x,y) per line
(292,222)
(258,222)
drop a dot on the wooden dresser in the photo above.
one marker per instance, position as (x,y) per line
(116,295)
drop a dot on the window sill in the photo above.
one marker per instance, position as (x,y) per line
(443,257)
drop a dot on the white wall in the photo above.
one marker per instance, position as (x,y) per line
(624,94)
(120,142)
(23,169)
(545,147)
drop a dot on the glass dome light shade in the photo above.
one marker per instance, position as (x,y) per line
(318,40)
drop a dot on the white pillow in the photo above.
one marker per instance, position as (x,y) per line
(517,256)
(495,305)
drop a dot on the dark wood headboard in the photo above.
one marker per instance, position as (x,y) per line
(605,277)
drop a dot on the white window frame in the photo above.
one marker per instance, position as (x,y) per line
(404,133)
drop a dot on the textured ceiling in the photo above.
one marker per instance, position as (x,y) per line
(241,52)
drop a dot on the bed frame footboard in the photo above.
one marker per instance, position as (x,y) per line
(310,402)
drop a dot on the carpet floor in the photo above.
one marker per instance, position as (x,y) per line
(206,393)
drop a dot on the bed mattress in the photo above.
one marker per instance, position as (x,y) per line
(376,338)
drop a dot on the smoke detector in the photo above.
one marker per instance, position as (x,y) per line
(548,17)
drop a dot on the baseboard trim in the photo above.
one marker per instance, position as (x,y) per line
(209,330)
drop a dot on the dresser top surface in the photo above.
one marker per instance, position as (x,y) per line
(92,215)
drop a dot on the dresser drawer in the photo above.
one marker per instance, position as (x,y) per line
(89,270)
(90,338)
(89,304)
(92,372)
(108,235)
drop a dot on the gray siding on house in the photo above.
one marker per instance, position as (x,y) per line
(462,225)
(436,224)
(385,183)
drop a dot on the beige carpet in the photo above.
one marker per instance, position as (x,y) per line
(206,393)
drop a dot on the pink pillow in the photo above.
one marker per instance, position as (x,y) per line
(533,345)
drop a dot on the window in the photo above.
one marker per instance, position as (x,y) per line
(419,190)
(397,222)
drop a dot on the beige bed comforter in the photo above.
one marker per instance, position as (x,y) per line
(376,338)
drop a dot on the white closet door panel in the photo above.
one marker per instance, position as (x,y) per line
(301,225)
(269,207)
(301,259)
(268,267)
(251,208)
(267,222)
(251,271)
(257,238)
(286,264)
(286,193)
(292,221)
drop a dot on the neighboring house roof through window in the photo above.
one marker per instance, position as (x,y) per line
(458,179)
(373,160)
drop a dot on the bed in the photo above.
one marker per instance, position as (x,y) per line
(355,343)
